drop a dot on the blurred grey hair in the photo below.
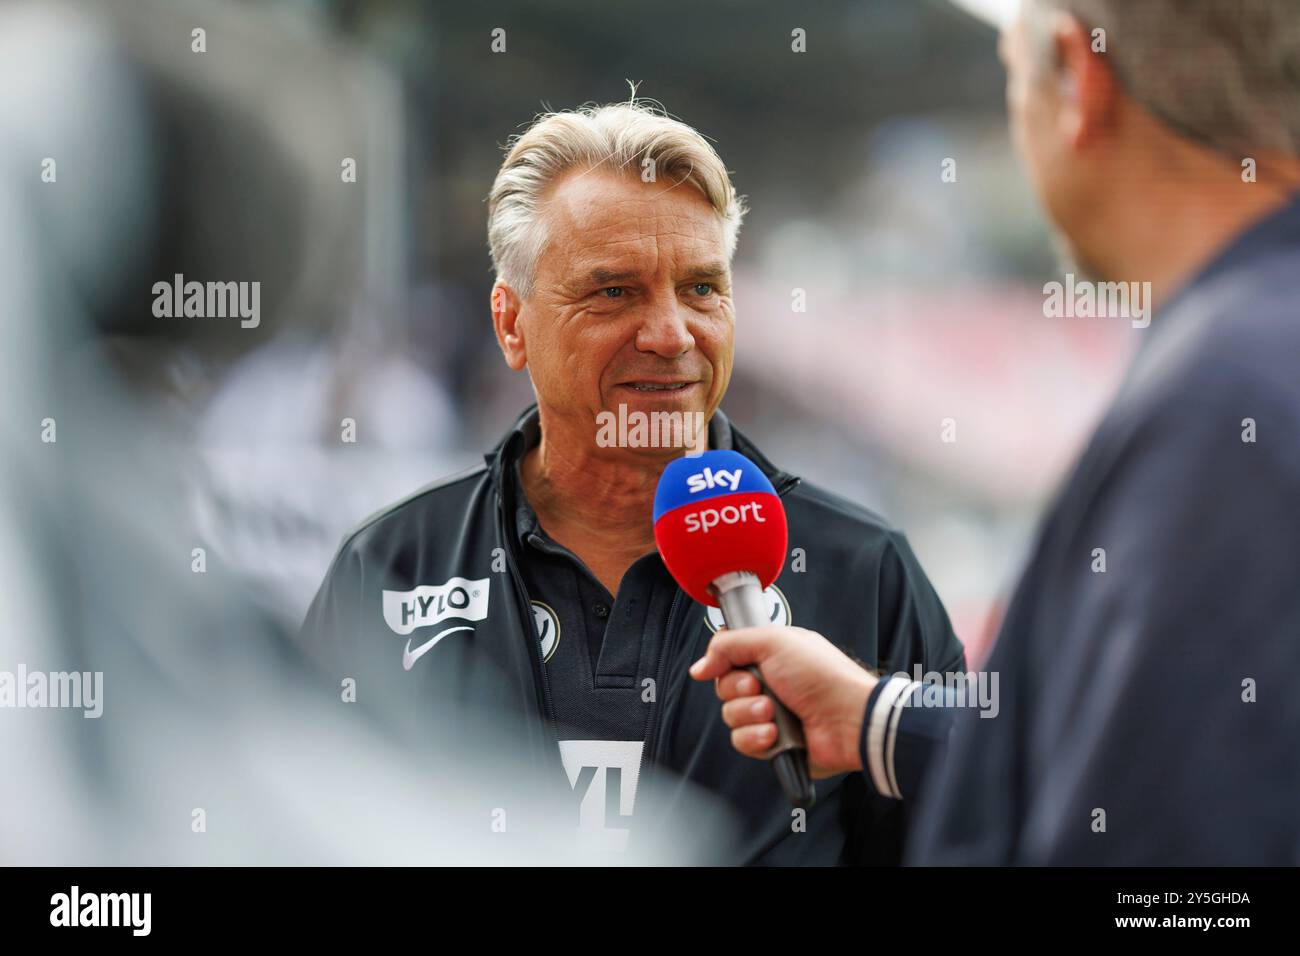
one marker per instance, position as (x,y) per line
(619,137)
(1223,71)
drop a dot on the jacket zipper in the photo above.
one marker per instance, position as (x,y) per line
(653,736)
(534,650)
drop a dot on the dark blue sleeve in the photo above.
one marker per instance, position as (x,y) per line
(1148,661)
(912,724)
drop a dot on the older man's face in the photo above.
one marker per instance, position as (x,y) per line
(631,302)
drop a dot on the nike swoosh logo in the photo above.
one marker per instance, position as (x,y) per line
(409,657)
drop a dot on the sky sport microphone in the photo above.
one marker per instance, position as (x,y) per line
(721,533)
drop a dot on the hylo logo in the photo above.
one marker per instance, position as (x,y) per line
(430,604)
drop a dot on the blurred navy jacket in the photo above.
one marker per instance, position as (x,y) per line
(1149,713)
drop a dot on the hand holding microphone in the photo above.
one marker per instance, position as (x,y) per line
(816,681)
(721,531)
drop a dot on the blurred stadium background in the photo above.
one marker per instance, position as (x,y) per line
(923,297)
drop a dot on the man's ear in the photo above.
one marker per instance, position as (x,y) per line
(1088,92)
(506,308)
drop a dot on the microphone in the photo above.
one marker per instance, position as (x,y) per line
(721,531)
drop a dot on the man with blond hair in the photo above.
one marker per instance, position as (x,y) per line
(533,581)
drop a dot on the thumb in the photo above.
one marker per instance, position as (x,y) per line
(731,649)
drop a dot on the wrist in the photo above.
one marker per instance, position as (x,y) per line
(862,683)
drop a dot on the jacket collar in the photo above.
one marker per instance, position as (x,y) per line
(526,432)
(1277,233)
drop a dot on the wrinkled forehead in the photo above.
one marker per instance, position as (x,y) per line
(599,214)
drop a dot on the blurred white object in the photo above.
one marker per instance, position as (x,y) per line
(218,743)
(998,13)
(278,490)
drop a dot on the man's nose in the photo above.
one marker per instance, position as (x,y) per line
(664,329)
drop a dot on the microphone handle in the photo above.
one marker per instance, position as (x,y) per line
(740,597)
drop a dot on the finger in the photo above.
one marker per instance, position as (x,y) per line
(754,741)
(746,711)
(735,684)
(731,649)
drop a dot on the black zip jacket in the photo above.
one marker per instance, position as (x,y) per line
(852,578)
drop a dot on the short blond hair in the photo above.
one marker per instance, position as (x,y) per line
(623,138)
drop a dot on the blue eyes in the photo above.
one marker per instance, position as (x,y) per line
(701,289)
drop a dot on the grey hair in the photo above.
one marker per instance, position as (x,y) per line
(619,137)
(1226,72)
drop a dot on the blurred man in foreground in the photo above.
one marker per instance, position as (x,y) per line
(1146,713)
(533,581)
(151,712)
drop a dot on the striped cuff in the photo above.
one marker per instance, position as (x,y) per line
(880,730)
